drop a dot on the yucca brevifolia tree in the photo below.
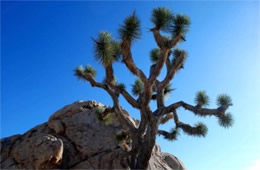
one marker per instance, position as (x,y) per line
(148,87)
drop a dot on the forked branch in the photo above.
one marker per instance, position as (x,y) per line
(122,116)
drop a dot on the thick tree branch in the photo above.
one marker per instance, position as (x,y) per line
(110,79)
(158,38)
(160,41)
(93,83)
(128,60)
(196,110)
(152,77)
(198,130)
(168,63)
(160,94)
(122,116)
(166,118)
(146,116)
(111,82)
(173,69)
(174,41)
(156,70)
(128,98)
(159,65)
(163,132)
(147,95)
(167,135)
(191,130)
(164,58)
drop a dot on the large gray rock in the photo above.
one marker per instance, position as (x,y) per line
(74,138)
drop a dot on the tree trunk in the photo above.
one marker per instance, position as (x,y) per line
(143,146)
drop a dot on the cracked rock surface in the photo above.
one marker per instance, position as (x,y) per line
(74,138)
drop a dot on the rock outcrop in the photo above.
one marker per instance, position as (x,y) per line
(74,138)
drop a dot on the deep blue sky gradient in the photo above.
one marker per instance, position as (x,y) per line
(42,42)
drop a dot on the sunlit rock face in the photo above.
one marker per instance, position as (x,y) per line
(75,138)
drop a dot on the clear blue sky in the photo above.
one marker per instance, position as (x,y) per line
(42,42)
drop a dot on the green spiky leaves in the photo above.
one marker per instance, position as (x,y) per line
(105,116)
(199,129)
(226,120)
(121,86)
(116,49)
(178,52)
(180,25)
(121,136)
(201,99)
(179,57)
(154,55)
(90,70)
(171,136)
(130,30)
(106,49)
(80,71)
(138,87)
(224,100)
(168,89)
(166,92)
(162,18)
(174,132)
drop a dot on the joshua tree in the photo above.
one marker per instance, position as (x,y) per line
(147,87)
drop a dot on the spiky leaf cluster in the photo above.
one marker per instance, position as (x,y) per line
(106,49)
(104,116)
(201,99)
(201,129)
(138,87)
(162,18)
(108,118)
(99,110)
(121,136)
(90,70)
(172,135)
(224,100)
(174,132)
(121,86)
(166,92)
(179,56)
(117,49)
(79,72)
(168,89)
(226,120)
(154,55)
(180,25)
(130,30)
